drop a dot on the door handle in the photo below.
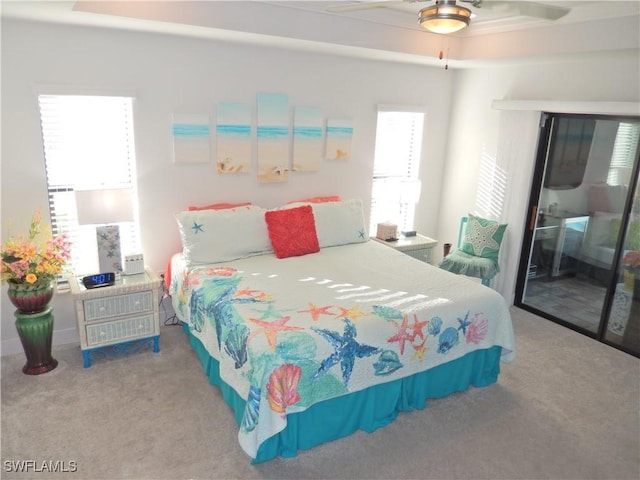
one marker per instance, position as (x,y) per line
(532,220)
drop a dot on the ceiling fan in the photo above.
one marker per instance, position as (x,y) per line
(446,16)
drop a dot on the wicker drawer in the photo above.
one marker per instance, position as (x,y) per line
(423,254)
(119,330)
(107,307)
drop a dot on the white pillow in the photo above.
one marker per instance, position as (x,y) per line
(339,223)
(213,236)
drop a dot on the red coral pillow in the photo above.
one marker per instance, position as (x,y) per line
(292,231)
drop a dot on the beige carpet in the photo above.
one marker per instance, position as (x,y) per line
(568,407)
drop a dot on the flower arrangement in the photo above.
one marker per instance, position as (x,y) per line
(36,259)
(631,261)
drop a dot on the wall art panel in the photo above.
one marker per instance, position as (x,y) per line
(191,138)
(339,135)
(233,132)
(307,139)
(273,137)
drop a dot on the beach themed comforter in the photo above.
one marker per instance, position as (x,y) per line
(292,332)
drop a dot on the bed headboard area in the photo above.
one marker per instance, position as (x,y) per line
(225,233)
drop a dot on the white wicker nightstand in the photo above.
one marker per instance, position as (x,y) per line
(419,247)
(118,319)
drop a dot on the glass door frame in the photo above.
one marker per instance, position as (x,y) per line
(543,148)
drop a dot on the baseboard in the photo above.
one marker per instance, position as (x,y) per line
(60,337)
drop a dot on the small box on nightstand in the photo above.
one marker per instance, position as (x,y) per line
(387,231)
(133,264)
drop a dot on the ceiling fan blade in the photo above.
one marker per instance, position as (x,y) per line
(528,9)
(365,6)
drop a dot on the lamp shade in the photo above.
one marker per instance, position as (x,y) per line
(444,17)
(104,206)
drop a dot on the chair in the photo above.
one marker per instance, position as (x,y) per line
(477,250)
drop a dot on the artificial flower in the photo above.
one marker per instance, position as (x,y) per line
(37,258)
(631,260)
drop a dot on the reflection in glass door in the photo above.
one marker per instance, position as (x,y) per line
(623,324)
(584,227)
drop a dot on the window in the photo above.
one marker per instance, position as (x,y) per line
(88,144)
(396,188)
(624,154)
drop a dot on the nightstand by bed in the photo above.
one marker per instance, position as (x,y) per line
(118,319)
(419,246)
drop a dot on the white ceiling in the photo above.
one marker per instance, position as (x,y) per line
(389,32)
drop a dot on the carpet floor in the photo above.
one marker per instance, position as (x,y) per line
(568,407)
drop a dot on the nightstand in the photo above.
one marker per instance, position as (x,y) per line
(118,319)
(419,247)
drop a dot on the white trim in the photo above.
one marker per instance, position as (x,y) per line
(553,106)
(401,108)
(54,89)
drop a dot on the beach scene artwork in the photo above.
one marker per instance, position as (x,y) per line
(339,135)
(233,134)
(307,139)
(191,138)
(273,137)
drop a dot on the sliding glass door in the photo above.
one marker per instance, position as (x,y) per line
(580,263)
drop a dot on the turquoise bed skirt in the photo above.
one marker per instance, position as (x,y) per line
(368,409)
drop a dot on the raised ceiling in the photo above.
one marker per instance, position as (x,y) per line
(390,31)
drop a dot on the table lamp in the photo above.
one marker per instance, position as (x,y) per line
(104,208)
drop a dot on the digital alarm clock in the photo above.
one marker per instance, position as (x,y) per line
(99,280)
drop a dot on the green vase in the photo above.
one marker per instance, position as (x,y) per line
(30,298)
(36,332)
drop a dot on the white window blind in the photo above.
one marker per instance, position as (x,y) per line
(88,144)
(624,154)
(396,187)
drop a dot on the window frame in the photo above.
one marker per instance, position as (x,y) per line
(61,199)
(398,183)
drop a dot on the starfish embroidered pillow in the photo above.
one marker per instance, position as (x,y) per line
(482,237)
(213,236)
(292,231)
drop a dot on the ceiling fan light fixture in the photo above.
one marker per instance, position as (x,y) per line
(444,17)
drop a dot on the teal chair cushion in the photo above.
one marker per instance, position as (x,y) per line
(465,264)
(482,237)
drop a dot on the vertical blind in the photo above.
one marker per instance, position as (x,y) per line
(396,166)
(88,144)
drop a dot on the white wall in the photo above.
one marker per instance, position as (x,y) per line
(479,131)
(181,75)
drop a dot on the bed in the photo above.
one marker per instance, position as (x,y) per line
(310,347)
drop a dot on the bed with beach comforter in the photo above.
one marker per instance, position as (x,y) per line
(312,347)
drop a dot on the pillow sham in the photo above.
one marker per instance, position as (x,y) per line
(213,236)
(218,206)
(292,231)
(339,223)
(482,237)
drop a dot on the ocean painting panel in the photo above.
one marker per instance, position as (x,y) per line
(273,137)
(233,132)
(307,139)
(191,138)
(339,135)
